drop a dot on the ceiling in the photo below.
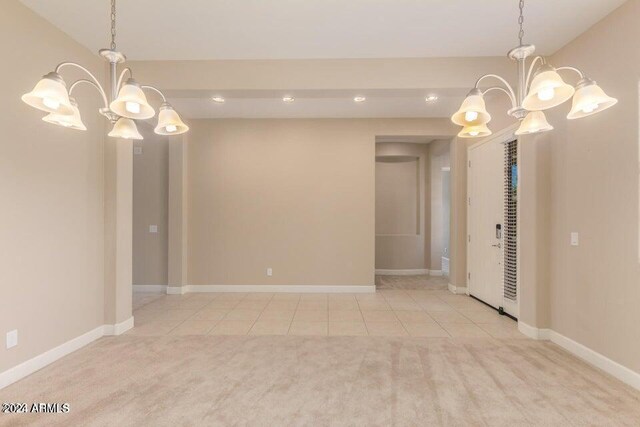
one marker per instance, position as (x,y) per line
(316,103)
(288,29)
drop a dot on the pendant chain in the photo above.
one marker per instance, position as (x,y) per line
(520,21)
(113,24)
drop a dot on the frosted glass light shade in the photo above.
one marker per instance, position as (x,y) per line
(475,131)
(71,121)
(50,95)
(534,122)
(132,102)
(547,90)
(589,99)
(473,111)
(169,122)
(125,129)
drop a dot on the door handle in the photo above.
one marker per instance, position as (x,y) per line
(497,245)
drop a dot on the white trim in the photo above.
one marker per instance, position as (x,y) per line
(446,265)
(436,273)
(38,362)
(119,328)
(320,289)
(149,288)
(458,289)
(177,290)
(598,360)
(533,332)
(406,272)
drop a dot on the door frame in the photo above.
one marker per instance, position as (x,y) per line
(503,136)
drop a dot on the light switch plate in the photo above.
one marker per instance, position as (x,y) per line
(575,239)
(269,272)
(153,229)
(137,150)
(12,338)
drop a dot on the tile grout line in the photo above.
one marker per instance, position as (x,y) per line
(294,314)
(261,311)
(184,320)
(366,328)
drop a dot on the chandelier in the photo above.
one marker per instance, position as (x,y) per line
(125,103)
(531,97)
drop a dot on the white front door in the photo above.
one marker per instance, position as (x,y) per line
(485,222)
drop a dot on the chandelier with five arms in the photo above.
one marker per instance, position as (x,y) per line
(125,103)
(531,97)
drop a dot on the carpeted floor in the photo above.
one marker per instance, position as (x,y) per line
(322,381)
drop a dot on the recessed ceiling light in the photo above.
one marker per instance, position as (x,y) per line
(431,98)
(359,99)
(288,99)
(218,99)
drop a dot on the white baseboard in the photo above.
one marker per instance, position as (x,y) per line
(149,288)
(177,290)
(458,289)
(119,328)
(598,360)
(445,265)
(319,289)
(38,362)
(590,356)
(34,364)
(533,332)
(406,272)
(435,273)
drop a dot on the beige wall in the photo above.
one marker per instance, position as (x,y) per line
(438,159)
(443,74)
(293,195)
(397,196)
(177,211)
(150,207)
(458,225)
(423,249)
(593,166)
(403,251)
(51,184)
(118,229)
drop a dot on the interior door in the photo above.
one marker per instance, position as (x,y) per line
(485,218)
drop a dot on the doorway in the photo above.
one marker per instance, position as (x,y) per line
(492,224)
(412,216)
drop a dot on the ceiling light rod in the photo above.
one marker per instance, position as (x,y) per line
(125,103)
(531,97)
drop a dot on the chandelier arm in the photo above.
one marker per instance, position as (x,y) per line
(104,96)
(95,81)
(119,84)
(572,69)
(533,63)
(511,93)
(513,101)
(155,89)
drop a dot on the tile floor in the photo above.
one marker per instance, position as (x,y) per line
(388,312)
(420,281)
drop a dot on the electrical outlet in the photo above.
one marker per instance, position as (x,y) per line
(12,338)
(269,272)
(153,229)
(137,150)
(575,239)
